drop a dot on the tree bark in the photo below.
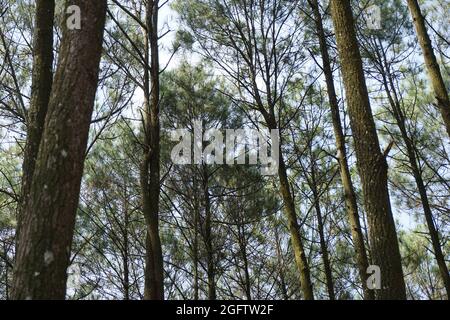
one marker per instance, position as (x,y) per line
(440,91)
(372,165)
(41,86)
(349,192)
(49,217)
(150,167)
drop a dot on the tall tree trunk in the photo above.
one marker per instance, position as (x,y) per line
(41,86)
(320,226)
(150,175)
(440,91)
(394,101)
(290,212)
(349,192)
(49,216)
(371,162)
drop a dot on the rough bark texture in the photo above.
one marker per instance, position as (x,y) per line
(440,91)
(41,87)
(49,215)
(371,162)
(349,192)
(150,175)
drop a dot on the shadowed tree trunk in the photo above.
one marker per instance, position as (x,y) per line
(349,192)
(150,175)
(49,216)
(371,161)
(440,91)
(41,87)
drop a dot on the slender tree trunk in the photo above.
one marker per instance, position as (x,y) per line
(440,91)
(49,216)
(320,226)
(41,86)
(242,241)
(290,212)
(280,264)
(126,249)
(349,192)
(248,291)
(196,242)
(294,229)
(211,270)
(150,167)
(371,162)
(394,101)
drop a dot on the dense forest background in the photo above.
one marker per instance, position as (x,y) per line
(92,207)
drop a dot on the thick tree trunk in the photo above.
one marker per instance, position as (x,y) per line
(371,162)
(349,192)
(41,87)
(150,175)
(320,226)
(434,72)
(50,209)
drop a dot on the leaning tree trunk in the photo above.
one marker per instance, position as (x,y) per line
(41,86)
(371,162)
(49,216)
(349,192)
(150,175)
(434,72)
